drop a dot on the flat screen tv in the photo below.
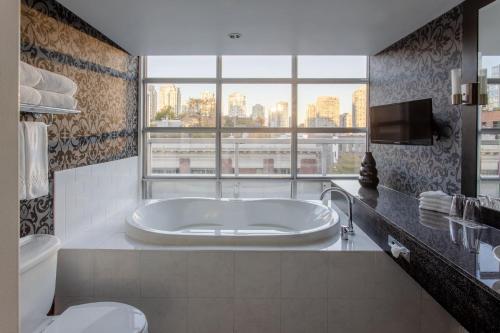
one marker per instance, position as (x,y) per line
(408,123)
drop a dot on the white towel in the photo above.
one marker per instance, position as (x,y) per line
(56,100)
(433,194)
(28,95)
(37,160)
(437,201)
(436,208)
(22,166)
(56,83)
(28,75)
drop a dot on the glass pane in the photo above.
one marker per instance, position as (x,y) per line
(489,165)
(256,66)
(180,105)
(181,66)
(331,67)
(181,154)
(328,154)
(490,155)
(183,188)
(255,189)
(492,66)
(331,105)
(311,190)
(256,105)
(490,113)
(256,154)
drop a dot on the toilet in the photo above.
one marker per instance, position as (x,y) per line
(37,270)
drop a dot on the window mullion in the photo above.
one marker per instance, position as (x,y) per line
(218,121)
(294,152)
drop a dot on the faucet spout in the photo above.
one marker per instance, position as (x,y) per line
(347,197)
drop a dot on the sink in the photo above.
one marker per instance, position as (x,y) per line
(496,252)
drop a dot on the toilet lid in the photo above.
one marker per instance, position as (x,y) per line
(102,317)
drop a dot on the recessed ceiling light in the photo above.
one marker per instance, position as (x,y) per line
(234,35)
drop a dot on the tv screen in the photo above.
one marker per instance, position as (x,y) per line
(408,123)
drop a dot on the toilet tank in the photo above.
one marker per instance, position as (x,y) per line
(37,273)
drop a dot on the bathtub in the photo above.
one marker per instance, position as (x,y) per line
(203,221)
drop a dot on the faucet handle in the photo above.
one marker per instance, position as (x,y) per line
(344,232)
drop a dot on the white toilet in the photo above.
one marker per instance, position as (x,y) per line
(37,269)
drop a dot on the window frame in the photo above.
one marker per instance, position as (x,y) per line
(485,178)
(294,81)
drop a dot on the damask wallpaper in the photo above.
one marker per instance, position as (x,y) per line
(418,67)
(55,39)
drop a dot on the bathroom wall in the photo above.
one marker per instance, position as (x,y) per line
(253,291)
(98,195)
(9,203)
(55,39)
(418,67)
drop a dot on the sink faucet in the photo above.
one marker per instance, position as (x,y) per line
(349,229)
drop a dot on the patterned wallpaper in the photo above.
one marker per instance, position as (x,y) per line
(418,67)
(55,39)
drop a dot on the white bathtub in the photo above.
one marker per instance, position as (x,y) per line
(200,221)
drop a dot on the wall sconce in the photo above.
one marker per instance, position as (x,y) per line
(456,92)
(474,93)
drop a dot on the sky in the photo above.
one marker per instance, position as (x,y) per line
(264,67)
(489,61)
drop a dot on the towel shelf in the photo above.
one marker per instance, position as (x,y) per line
(45,109)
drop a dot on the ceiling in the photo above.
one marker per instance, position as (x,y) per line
(185,27)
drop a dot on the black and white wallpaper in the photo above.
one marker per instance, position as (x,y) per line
(54,38)
(418,67)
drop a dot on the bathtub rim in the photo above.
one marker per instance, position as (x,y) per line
(148,235)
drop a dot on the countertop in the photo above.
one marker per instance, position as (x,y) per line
(402,210)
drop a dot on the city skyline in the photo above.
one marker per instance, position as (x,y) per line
(348,97)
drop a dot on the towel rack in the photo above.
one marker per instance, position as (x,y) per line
(37,110)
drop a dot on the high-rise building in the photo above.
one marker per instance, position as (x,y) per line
(325,113)
(152,101)
(359,107)
(345,120)
(494,91)
(278,117)
(170,96)
(258,111)
(258,115)
(237,105)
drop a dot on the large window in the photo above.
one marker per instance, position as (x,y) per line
(489,136)
(243,125)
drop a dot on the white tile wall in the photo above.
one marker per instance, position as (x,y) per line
(94,194)
(248,291)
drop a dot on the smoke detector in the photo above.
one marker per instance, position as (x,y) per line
(234,35)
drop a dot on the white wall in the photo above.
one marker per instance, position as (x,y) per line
(9,203)
(94,196)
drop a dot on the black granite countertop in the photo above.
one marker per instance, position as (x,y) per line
(403,212)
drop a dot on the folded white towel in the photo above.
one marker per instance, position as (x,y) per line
(56,100)
(433,194)
(437,201)
(428,204)
(22,166)
(442,209)
(29,75)
(28,95)
(37,160)
(56,83)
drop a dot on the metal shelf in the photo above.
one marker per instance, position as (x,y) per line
(45,109)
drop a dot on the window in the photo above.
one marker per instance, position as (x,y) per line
(489,136)
(243,126)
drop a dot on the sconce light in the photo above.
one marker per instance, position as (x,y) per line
(456,93)
(483,86)
(474,93)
